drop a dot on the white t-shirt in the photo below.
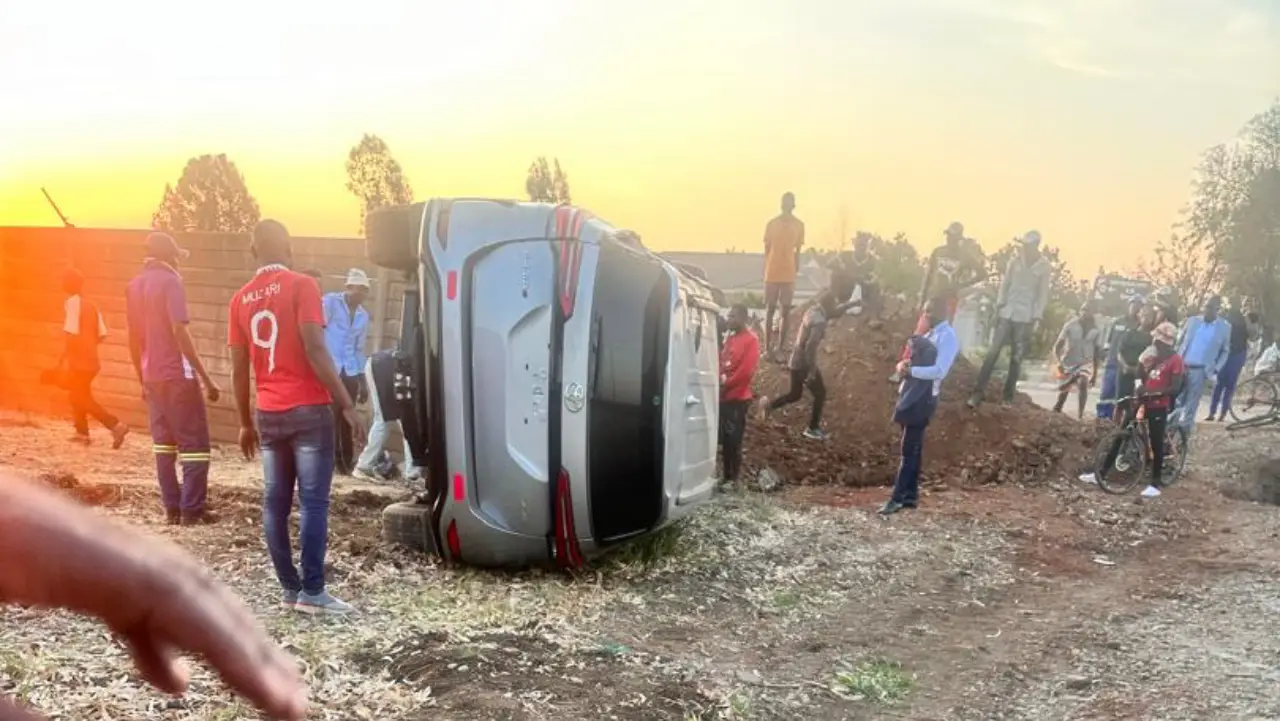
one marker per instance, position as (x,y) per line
(71,321)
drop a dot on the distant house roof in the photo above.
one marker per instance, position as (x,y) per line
(744,272)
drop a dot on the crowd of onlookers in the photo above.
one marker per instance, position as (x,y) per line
(1149,358)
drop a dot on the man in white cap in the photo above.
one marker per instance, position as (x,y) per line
(1024,292)
(346,328)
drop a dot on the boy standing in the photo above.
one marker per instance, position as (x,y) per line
(85,330)
(739,358)
(277,328)
(783,239)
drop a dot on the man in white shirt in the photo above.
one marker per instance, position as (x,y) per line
(906,486)
(84,329)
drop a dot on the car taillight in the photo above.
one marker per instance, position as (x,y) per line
(568,553)
(459,487)
(455,545)
(569,222)
(451,285)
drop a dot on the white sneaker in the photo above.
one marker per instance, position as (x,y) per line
(361,474)
(1151,492)
(1090,478)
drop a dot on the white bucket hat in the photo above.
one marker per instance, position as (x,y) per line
(357,277)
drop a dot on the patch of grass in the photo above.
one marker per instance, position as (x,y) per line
(739,705)
(649,550)
(881,682)
(786,600)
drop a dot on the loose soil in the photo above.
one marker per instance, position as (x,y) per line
(991,444)
(1033,598)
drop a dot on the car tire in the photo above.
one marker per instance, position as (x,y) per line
(408,524)
(391,236)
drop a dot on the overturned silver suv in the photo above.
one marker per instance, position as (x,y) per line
(558,382)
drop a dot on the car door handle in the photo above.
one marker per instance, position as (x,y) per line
(692,400)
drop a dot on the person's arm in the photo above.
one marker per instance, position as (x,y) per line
(134,327)
(1002,296)
(176,300)
(1043,281)
(1184,338)
(1061,342)
(240,364)
(361,335)
(948,348)
(928,280)
(153,596)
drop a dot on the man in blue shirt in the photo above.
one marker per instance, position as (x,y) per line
(1204,347)
(346,328)
(165,359)
(906,487)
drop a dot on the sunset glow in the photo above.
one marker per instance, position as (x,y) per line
(682,120)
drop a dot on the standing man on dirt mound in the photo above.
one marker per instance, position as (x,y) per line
(953,268)
(918,399)
(1204,347)
(739,358)
(1024,293)
(783,240)
(276,326)
(165,359)
(855,270)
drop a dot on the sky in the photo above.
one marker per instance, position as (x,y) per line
(684,120)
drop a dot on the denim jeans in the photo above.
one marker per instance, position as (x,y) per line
(1188,404)
(1225,388)
(1110,388)
(906,486)
(180,435)
(297,448)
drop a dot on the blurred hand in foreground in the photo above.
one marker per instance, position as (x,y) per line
(158,599)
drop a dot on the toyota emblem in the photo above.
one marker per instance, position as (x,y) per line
(575,397)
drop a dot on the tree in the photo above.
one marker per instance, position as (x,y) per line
(547,182)
(210,196)
(1251,253)
(375,177)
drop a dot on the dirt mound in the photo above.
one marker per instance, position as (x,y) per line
(1261,486)
(988,445)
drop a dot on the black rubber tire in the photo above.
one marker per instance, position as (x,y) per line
(408,524)
(391,236)
(1127,470)
(1255,399)
(1175,461)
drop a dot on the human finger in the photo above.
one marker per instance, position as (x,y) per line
(206,618)
(157,663)
(10,711)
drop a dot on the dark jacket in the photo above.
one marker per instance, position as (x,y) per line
(916,402)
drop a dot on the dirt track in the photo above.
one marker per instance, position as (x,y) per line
(996,602)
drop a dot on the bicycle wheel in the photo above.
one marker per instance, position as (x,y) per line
(1254,400)
(1125,471)
(1177,446)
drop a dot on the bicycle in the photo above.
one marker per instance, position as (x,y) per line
(1256,402)
(1134,452)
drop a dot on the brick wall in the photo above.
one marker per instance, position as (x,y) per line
(31,264)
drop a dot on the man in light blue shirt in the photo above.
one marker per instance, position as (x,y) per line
(1204,347)
(906,487)
(346,326)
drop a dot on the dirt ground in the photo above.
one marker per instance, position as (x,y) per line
(1044,600)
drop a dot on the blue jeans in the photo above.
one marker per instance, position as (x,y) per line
(1225,388)
(297,447)
(906,487)
(179,435)
(1188,403)
(1110,384)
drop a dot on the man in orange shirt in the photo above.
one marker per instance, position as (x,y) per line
(783,239)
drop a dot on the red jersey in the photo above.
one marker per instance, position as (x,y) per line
(1162,376)
(738,360)
(266,317)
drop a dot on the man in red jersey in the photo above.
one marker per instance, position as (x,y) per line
(277,327)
